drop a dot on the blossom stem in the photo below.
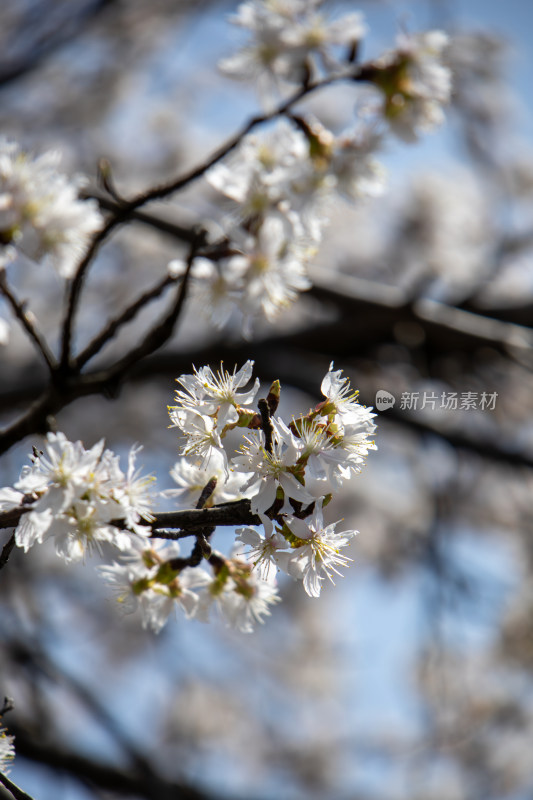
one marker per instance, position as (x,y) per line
(266,424)
(207,491)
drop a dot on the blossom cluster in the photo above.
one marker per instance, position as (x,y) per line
(288,472)
(82,500)
(153,581)
(295,42)
(281,186)
(282,183)
(289,40)
(41,215)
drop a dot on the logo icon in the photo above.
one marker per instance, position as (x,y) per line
(384,400)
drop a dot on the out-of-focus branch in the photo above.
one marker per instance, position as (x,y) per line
(126,316)
(27,321)
(518,313)
(95,774)
(10,544)
(355,73)
(31,657)
(155,221)
(370,321)
(51,40)
(62,392)
(124,210)
(76,286)
(373,311)
(157,337)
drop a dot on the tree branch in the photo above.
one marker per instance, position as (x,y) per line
(76,286)
(27,321)
(187,520)
(10,544)
(17,793)
(356,72)
(39,50)
(127,782)
(114,325)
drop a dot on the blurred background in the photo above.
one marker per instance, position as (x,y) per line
(412,678)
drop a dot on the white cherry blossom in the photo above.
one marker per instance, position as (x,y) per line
(263,549)
(416,83)
(41,215)
(10,498)
(79,497)
(7,751)
(288,40)
(191,478)
(273,272)
(270,471)
(315,554)
(242,598)
(250,601)
(143,581)
(202,436)
(218,393)
(341,400)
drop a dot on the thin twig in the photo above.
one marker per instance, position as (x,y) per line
(157,337)
(214,251)
(114,325)
(27,320)
(166,189)
(201,550)
(174,229)
(77,283)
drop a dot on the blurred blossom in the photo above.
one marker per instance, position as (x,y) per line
(40,213)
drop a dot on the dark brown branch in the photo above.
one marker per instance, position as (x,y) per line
(127,782)
(114,325)
(207,492)
(9,545)
(27,321)
(123,212)
(266,424)
(372,312)
(201,550)
(49,41)
(215,251)
(190,521)
(17,793)
(60,394)
(77,283)
(369,315)
(174,229)
(157,337)
(166,189)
